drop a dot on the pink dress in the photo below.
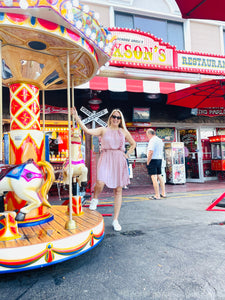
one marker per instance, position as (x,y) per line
(112,165)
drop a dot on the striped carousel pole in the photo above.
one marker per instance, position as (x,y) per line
(70,224)
(26,137)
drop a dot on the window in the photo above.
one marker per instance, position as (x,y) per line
(176,34)
(154,26)
(168,31)
(124,20)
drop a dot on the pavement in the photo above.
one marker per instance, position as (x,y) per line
(170,249)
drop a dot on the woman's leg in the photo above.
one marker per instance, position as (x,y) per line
(117,201)
(98,188)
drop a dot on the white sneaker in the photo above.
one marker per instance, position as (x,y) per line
(93,204)
(116,225)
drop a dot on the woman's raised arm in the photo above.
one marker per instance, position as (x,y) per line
(96,131)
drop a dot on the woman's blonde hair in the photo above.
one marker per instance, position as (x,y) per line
(122,123)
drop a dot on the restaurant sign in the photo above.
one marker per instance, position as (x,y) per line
(142,48)
(211,112)
(204,62)
(137,49)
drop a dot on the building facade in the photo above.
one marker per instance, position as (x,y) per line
(205,38)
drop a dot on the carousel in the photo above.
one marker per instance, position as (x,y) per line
(45,45)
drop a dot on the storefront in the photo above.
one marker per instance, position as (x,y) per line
(142,63)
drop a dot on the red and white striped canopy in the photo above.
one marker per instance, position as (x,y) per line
(132,85)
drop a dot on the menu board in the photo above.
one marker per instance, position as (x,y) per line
(167,134)
(189,138)
(138,134)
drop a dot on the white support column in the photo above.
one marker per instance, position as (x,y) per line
(187,35)
(111,17)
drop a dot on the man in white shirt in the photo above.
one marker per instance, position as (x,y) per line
(154,163)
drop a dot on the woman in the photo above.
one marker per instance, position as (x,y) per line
(112,165)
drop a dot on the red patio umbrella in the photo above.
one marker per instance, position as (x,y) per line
(205,95)
(202,9)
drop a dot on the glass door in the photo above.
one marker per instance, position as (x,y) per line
(208,173)
(193,157)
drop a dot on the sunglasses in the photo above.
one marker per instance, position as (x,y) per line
(115,117)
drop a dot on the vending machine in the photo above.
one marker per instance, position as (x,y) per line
(175,163)
(218,152)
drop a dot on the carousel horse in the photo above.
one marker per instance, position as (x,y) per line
(28,182)
(79,170)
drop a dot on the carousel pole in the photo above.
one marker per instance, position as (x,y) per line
(43,110)
(2,207)
(75,186)
(1,131)
(71,223)
(73,102)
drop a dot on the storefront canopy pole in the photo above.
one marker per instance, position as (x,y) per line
(71,223)
(43,110)
(1,131)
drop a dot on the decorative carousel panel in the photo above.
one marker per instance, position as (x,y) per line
(50,243)
(39,55)
(69,14)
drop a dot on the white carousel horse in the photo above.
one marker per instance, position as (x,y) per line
(29,183)
(79,170)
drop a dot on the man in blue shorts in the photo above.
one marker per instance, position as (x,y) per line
(154,163)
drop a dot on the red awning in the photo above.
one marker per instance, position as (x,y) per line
(204,9)
(132,85)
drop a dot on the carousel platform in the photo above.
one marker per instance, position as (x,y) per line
(50,243)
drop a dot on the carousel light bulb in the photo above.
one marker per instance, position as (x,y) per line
(93,36)
(107,49)
(97,16)
(109,36)
(68,5)
(88,31)
(101,44)
(107,64)
(75,3)
(8,2)
(79,24)
(86,9)
(23,4)
(70,15)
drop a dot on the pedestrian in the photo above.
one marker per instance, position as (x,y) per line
(112,169)
(186,154)
(126,187)
(154,163)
